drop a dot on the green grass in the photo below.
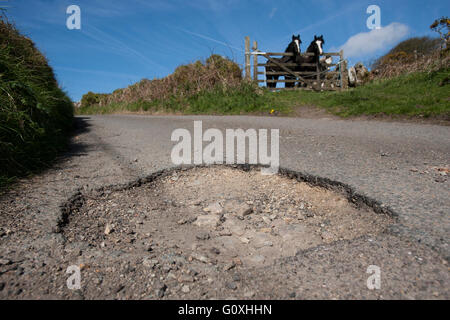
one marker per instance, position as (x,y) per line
(246,99)
(35,114)
(417,94)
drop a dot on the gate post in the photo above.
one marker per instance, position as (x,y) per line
(248,76)
(343,69)
(255,61)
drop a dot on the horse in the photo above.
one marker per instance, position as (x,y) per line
(294,47)
(316,47)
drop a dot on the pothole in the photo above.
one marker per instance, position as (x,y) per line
(220,216)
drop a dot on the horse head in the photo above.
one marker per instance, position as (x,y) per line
(297,41)
(318,43)
(294,47)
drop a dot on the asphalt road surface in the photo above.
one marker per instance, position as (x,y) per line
(400,165)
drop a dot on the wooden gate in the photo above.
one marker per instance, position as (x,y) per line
(333,78)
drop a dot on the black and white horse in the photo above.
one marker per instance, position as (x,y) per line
(294,47)
(316,47)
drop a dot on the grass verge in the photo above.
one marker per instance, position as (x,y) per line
(418,94)
(243,99)
(35,114)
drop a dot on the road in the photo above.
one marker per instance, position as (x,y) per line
(394,163)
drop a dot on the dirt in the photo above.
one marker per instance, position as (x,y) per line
(120,163)
(441,120)
(314,112)
(183,228)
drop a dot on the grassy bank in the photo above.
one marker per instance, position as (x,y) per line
(35,114)
(244,99)
(418,94)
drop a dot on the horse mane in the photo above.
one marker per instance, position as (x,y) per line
(291,49)
(311,47)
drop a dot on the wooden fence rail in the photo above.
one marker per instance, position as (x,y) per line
(319,80)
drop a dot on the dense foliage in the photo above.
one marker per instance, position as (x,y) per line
(35,114)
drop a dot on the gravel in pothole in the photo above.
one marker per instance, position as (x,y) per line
(218,217)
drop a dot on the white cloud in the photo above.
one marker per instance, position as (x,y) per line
(272,13)
(367,43)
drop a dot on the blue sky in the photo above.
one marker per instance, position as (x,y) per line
(121,42)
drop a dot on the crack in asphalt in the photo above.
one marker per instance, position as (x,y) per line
(385,166)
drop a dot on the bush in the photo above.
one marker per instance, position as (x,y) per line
(442,27)
(225,67)
(412,55)
(409,50)
(35,114)
(423,46)
(186,81)
(92,99)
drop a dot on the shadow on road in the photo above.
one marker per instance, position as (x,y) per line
(75,147)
